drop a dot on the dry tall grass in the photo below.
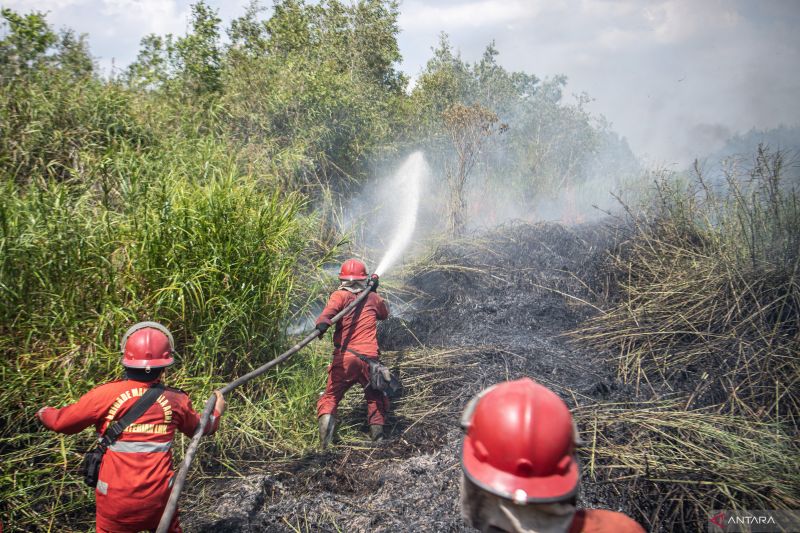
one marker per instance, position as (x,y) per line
(705,310)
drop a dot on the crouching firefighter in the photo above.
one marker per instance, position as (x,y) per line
(355,350)
(519,470)
(136,419)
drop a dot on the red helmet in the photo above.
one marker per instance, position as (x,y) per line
(353,269)
(147,345)
(520,443)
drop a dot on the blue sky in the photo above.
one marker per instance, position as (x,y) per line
(675,77)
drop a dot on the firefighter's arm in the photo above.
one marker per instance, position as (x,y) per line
(334,305)
(75,417)
(381,308)
(189,419)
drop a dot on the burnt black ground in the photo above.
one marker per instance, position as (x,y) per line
(495,304)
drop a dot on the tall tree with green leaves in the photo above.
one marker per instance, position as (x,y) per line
(199,53)
(155,64)
(315,86)
(25,45)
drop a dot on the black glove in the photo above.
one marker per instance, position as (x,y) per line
(322,327)
(374,280)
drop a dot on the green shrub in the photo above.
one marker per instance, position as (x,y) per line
(176,234)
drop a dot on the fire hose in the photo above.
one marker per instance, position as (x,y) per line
(180,478)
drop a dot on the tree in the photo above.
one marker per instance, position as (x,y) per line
(468,127)
(199,52)
(73,54)
(314,87)
(31,47)
(189,66)
(248,36)
(25,46)
(154,65)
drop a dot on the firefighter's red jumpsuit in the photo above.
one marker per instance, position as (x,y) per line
(356,333)
(136,473)
(602,521)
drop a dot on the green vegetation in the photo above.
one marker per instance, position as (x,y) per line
(705,309)
(117,207)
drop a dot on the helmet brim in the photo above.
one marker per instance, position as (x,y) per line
(144,363)
(353,278)
(538,489)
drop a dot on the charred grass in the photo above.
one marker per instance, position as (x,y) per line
(285,491)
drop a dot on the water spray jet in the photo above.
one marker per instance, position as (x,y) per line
(408,179)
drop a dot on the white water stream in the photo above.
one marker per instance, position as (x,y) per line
(407,180)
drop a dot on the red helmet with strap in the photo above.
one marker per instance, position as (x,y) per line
(147,345)
(520,443)
(353,269)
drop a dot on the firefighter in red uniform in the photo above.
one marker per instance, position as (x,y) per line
(355,337)
(136,471)
(520,473)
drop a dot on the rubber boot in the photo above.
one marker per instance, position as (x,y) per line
(326,424)
(376,432)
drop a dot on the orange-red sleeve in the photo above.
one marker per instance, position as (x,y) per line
(187,419)
(74,418)
(603,521)
(381,309)
(335,304)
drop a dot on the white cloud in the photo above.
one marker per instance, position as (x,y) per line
(424,15)
(608,8)
(42,5)
(147,16)
(676,21)
(616,38)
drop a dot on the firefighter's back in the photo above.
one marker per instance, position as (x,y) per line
(136,473)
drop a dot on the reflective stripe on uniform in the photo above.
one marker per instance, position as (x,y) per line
(133,446)
(102,487)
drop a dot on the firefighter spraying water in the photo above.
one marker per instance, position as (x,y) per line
(355,353)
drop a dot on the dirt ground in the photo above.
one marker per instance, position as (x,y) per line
(473,314)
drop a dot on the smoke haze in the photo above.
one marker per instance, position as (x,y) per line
(675,77)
